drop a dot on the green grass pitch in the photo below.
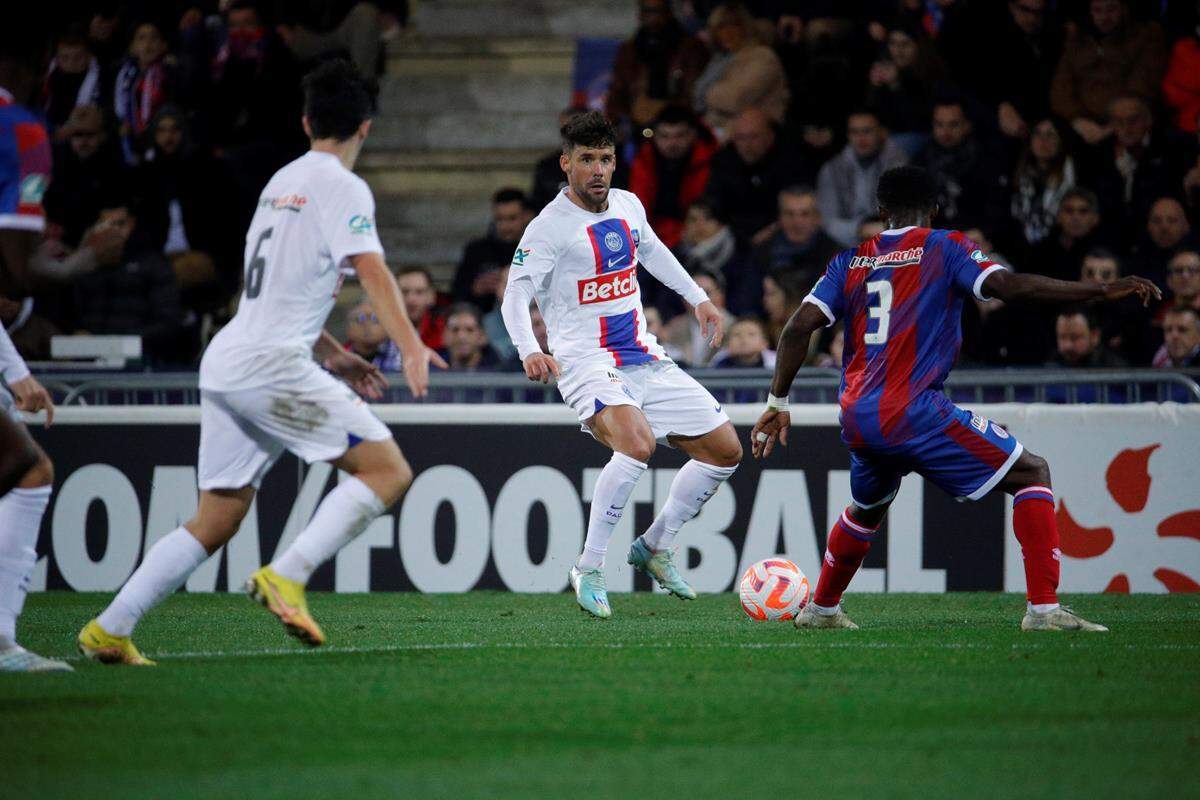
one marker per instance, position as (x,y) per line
(502,695)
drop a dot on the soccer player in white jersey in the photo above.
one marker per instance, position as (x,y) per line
(262,392)
(25,478)
(578,259)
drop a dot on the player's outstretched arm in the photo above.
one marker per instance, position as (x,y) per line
(380,285)
(1027,287)
(789,357)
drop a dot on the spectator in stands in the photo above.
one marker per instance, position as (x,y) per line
(1167,229)
(1060,254)
(901,84)
(253,100)
(1045,173)
(366,338)
(88,165)
(1077,332)
(1109,56)
(781,296)
(799,246)
(1030,37)
(185,194)
(145,83)
(655,68)
(103,39)
(133,292)
(846,183)
(548,176)
(320,27)
(420,298)
(482,259)
(1181,340)
(747,347)
(709,246)
(654,323)
(686,339)
(1124,325)
(747,175)
(1138,164)
(466,345)
(1181,85)
(1183,281)
(671,170)
(742,74)
(73,79)
(967,174)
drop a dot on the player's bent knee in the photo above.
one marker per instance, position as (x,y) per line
(640,448)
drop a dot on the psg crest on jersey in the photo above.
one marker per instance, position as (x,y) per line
(612,240)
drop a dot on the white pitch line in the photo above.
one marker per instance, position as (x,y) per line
(804,645)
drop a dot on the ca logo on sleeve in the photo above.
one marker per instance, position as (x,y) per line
(361,223)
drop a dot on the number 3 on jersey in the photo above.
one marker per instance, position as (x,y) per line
(880,312)
(256,267)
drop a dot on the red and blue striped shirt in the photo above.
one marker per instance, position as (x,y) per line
(900,295)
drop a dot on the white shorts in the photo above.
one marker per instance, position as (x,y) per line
(673,401)
(315,416)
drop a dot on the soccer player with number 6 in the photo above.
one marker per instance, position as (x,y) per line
(900,294)
(261,392)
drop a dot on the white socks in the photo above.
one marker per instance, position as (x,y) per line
(164,569)
(694,484)
(20,519)
(343,514)
(609,497)
(1042,608)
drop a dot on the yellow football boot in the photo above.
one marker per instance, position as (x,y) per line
(285,599)
(100,645)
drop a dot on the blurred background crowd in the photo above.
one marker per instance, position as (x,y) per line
(1063,137)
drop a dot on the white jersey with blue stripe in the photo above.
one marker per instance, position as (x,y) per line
(582,269)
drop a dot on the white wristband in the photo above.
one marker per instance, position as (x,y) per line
(776,403)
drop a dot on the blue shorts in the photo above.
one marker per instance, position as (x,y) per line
(965,457)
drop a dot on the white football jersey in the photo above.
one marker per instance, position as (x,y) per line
(312,215)
(583,269)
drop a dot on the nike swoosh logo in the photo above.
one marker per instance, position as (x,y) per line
(612,262)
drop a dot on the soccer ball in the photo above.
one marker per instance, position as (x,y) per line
(774,589)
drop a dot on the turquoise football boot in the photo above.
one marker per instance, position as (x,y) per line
(591,592)
(661,567)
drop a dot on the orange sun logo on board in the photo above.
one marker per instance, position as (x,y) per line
(1128,481)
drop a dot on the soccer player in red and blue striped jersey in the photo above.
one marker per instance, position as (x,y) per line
(900,297)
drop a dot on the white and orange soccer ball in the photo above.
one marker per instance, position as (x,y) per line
(774,589)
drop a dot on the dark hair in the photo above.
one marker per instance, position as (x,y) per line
(464,308)
(588,130)
(906,190)
(510,195)
(1185,310)
(414,269)
(713,275)
(674,115)
(336,100)
(1080,193)
(1104,254)
(1089,316)
(797,190)
(710,208)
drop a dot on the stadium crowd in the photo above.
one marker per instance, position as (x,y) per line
(1063,138)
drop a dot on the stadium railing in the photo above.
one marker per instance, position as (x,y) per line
(727,385)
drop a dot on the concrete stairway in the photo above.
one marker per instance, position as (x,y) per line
(468,105)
